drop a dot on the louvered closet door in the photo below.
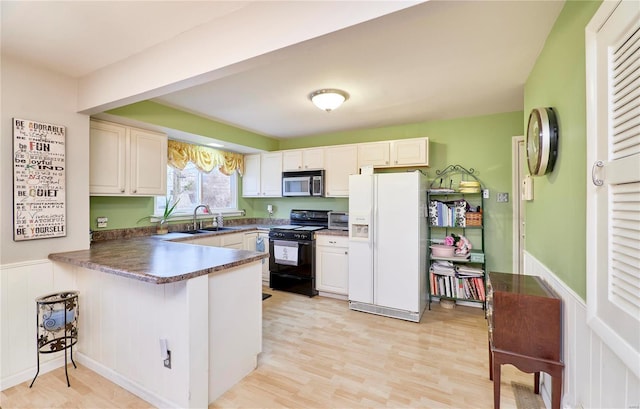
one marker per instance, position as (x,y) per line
(613,202)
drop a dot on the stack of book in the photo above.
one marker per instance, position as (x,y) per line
(449,280)
(448,214)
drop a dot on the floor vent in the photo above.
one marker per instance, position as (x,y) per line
(386,311)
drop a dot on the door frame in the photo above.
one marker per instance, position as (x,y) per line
(517,161)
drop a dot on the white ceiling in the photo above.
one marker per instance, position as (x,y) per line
(435,60)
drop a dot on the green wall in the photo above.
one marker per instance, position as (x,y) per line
(123,212)
(482,143)
(555,219)
(161,115)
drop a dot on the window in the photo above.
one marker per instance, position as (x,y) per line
(193,187)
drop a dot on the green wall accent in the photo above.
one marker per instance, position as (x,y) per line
(282,205)
(555,219)
(123,212)
(162,115)
(482,143)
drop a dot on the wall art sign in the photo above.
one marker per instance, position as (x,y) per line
(39,208)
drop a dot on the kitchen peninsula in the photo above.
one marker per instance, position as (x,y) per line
(204,301)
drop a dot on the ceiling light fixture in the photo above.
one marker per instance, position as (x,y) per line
(328,99)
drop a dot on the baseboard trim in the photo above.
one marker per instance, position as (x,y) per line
(28,374)
(125,383)
(333,295)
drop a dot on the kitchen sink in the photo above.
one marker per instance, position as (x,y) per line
(208,229)
(190,231)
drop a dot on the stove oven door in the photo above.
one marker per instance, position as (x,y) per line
(292,272)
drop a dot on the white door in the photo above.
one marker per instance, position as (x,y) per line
(361,248)
(397,241)
(613,186)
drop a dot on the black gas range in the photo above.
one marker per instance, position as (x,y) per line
(292,255)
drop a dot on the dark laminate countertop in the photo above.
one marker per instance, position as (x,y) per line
(159,259)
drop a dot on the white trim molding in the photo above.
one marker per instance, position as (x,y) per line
(594,376)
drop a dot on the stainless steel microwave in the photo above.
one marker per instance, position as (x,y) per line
(303,183)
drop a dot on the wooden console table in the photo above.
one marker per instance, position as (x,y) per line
(525,329)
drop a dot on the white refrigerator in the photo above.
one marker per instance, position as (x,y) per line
(387,244)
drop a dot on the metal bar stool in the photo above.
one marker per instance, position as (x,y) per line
(56,326)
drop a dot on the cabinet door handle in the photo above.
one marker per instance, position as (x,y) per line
(386,162)
(346,252)
(121,190)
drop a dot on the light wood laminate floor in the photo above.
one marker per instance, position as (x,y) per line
(319,354)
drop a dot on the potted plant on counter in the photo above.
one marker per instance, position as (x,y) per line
(169,208)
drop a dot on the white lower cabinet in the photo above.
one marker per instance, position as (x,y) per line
(259,241)
(213,241)
(332,265)
(232,241)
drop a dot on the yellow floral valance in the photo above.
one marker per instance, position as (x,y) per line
(204,158)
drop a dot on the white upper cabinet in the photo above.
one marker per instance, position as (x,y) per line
(126,161)
(407,152)
(107,158)
(148,163)
(303,159)
(262,175)
(263,172)
(271,174)
(403,152)
(251,176)
(341,161)
(375,154)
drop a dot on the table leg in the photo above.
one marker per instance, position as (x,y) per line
(496,385)
(556,391)
(536,383)
(490,362)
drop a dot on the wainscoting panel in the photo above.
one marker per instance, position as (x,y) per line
(20,285)
(126,319)
(594,377)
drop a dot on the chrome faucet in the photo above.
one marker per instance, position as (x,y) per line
(195,227)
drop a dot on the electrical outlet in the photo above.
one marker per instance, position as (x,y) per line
(165,353)
(101,222)
(485,193)
(503,197)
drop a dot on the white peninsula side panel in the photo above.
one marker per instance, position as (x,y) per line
(212,324)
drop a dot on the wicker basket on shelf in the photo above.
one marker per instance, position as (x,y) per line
(473,218)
